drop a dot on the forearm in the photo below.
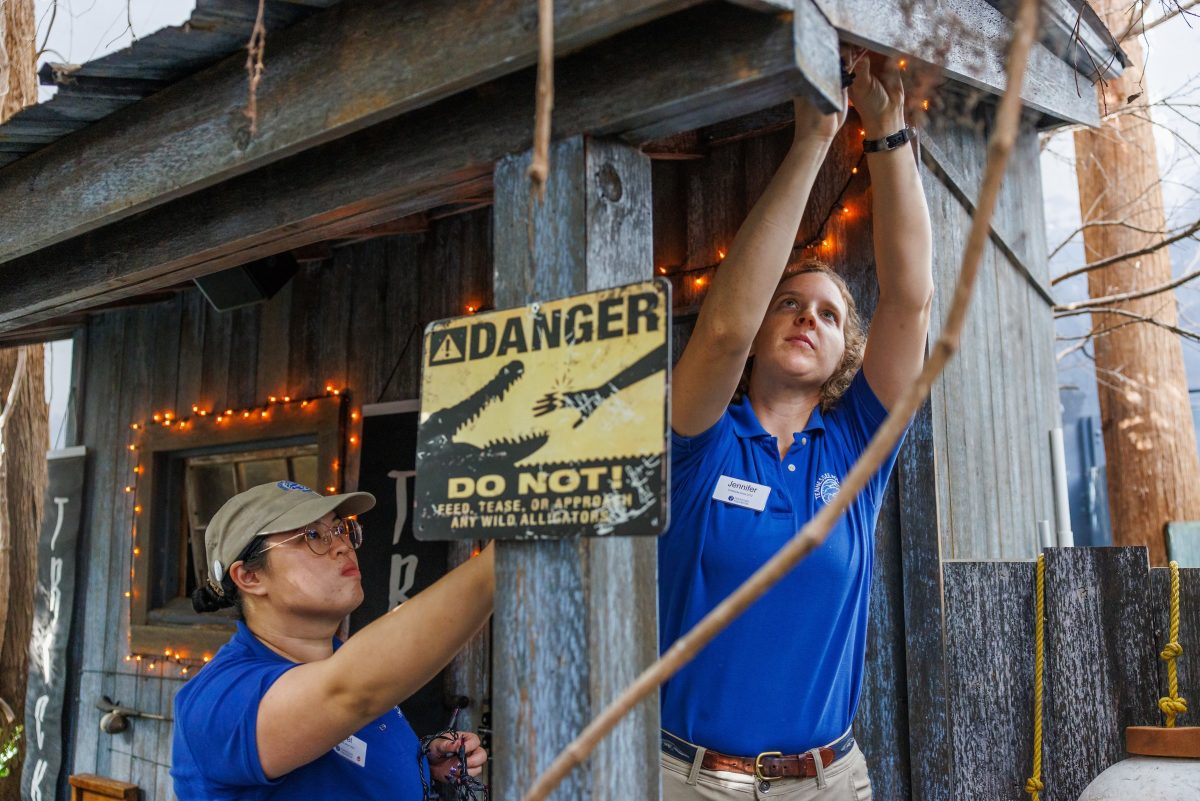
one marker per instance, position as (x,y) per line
(900,218)
(399,652)
(742,287)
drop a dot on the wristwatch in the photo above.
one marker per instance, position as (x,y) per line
(901,137)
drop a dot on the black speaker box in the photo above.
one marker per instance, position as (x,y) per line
(247,284)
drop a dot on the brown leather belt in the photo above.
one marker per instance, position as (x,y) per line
(767,766)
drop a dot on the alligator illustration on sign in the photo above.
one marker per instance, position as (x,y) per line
(463,476)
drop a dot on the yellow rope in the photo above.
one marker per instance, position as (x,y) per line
(1033,785)
(1172,704)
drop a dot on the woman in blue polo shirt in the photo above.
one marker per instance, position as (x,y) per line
(287,711)
(776,395)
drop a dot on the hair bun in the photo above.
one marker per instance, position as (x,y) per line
(205,600)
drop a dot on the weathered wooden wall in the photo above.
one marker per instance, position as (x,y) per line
(1105,622)
(995,405)
(344,322)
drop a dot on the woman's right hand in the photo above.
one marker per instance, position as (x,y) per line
(812,124)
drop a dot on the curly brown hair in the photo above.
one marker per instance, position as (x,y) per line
(852,331)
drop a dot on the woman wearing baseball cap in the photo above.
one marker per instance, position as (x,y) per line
(286,711)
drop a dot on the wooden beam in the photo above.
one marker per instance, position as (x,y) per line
(643,84)
(564,642)
(332,74)
(968,40)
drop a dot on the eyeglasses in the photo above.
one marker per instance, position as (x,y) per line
(319,540)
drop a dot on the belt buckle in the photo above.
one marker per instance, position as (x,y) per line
(758,766)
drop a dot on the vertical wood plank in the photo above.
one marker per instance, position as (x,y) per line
(882,723)
(274,322)
(241,388)
(989,683)
(1100,661)
(565,642)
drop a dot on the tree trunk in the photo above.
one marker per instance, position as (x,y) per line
(25,436)
(1146,416)
(18,57)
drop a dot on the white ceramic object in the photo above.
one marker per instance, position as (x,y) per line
(1145,778)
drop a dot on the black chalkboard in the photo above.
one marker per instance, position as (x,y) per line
(53,604)
(396,566)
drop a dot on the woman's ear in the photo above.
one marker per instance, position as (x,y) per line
(248,582)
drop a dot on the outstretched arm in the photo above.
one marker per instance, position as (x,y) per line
(708,371)
(314,706)
(903,242)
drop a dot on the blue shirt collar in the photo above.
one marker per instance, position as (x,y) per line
(746,425)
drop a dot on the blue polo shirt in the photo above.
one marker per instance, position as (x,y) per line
(786,675)
(215,750)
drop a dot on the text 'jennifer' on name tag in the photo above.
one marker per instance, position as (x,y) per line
(740,492)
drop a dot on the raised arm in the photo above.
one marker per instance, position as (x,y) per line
(313,707)
(708,371)
(903,242)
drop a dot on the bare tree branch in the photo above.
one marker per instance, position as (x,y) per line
(1124,296)
(1186,233)
(1141,26)
(1105,224)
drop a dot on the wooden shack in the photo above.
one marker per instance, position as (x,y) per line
(383,186)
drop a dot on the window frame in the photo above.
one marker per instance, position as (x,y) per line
(187,633)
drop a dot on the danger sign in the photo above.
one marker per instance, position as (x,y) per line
(548,420)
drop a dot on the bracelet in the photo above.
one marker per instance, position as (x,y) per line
(901,137)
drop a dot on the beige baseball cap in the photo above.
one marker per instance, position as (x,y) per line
(269,509)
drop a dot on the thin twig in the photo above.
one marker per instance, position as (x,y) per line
(1108,224)
(1186,233)
(1139,27)
(539,167)
(255,51)
(1124,296)
(1008,118)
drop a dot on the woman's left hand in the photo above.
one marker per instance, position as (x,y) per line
(878,95)
(443,757)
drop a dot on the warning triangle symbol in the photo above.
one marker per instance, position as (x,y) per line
(448,351)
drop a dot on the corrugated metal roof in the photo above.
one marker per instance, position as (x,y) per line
(89,92)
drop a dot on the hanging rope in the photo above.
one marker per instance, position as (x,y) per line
(1033,785)
(539,168)
(1172,704)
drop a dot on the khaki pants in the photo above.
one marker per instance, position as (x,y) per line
(844,780)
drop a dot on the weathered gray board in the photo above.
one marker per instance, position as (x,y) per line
(968,40)
(1105,623)
(644,83)
(196,135)
(569,635)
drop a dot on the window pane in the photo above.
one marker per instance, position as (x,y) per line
(208,486)
(304,471)
(261,471)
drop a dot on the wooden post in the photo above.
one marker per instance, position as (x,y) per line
(1146,415)
(575,620)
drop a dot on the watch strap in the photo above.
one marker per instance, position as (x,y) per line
(891,142)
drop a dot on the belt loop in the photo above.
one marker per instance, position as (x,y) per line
(697,762)
(820,766)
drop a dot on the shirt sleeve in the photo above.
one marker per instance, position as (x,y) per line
(861,408)
(221,722)
(688,452)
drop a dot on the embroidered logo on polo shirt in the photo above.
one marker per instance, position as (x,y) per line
(826,488)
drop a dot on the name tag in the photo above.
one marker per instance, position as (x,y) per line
(352,749)
(739,492)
